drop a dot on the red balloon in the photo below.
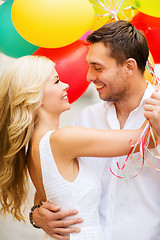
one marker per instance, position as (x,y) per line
(71,66)
(151,28)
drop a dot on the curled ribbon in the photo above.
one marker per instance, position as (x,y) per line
(113,9)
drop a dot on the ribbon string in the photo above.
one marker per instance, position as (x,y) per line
(112,9)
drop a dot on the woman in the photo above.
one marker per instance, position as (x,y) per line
(31,101)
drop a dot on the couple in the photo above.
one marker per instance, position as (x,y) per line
(31,116)
(117,59)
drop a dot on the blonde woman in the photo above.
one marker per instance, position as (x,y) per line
(32,99)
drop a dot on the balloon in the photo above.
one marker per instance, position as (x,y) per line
(147,74)
(149,7)
(151,28)
(71,66)
(11,43)
(84,37)
(107,11)
(52,24)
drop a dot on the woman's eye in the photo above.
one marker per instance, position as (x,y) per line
(57,81)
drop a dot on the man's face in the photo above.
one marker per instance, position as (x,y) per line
(110,78)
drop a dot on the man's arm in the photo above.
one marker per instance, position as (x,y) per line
(152,111)
(49,217)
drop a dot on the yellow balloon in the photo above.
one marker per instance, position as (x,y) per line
(149,7)
(52,23)
(112,10)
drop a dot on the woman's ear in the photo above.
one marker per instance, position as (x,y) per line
(131,65)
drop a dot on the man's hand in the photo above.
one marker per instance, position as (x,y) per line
(152,111)
(51,220)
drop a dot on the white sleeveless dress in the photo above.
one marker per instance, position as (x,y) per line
(83,194)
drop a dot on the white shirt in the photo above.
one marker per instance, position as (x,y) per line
(129,209)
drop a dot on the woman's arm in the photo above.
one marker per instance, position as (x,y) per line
(73,142)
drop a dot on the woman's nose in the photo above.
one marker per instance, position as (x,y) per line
(65,86)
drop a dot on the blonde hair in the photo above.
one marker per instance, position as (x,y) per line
(21,91)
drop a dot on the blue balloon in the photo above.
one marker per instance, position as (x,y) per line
(11,43)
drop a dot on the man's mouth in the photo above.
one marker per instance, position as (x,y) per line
(99,87)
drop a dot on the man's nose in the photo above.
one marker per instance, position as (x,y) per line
(91,77)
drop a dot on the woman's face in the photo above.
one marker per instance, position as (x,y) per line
(55,100)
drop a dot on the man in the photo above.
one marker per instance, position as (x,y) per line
(130,203)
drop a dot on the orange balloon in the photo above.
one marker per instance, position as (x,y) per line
(148,76)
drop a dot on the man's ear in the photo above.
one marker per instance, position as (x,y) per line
(131,65)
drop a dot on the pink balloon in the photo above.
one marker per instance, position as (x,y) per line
(85,35)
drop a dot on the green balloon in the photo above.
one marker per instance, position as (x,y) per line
(11,43)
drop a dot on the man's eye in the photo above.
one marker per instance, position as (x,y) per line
(98,69)
(57,81)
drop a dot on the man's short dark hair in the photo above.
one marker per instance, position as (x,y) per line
(124,41)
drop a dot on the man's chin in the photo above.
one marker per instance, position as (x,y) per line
(108,99)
